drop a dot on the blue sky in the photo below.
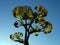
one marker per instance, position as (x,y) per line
(7,20)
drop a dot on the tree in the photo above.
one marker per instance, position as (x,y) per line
(26,17)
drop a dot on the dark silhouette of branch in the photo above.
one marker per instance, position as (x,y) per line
(20,41)
(34,31)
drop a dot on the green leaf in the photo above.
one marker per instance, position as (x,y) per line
(34,30)
(41,21)
(11,37)
(36,33)
(18,11)
(18,35)
(48,27)
(42,11)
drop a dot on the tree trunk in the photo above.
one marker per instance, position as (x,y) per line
(26,33)
(26,39)
(26,42)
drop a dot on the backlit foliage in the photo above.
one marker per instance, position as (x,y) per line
(26,17)
(22,11)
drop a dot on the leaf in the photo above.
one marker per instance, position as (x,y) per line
(41,21)
(48,27)
(16,24)
(11,37)
(42,10)
(36,33)
(38,7)
(18,11)
(28,13)
(34,30)
(18,35)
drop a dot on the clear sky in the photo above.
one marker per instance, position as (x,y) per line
(7,20)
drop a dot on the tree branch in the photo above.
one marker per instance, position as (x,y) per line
(20,41)
(34,30)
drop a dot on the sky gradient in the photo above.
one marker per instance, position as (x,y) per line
(7,20)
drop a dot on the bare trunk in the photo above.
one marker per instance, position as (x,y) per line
(26,42)
(26,39)
(26,34)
